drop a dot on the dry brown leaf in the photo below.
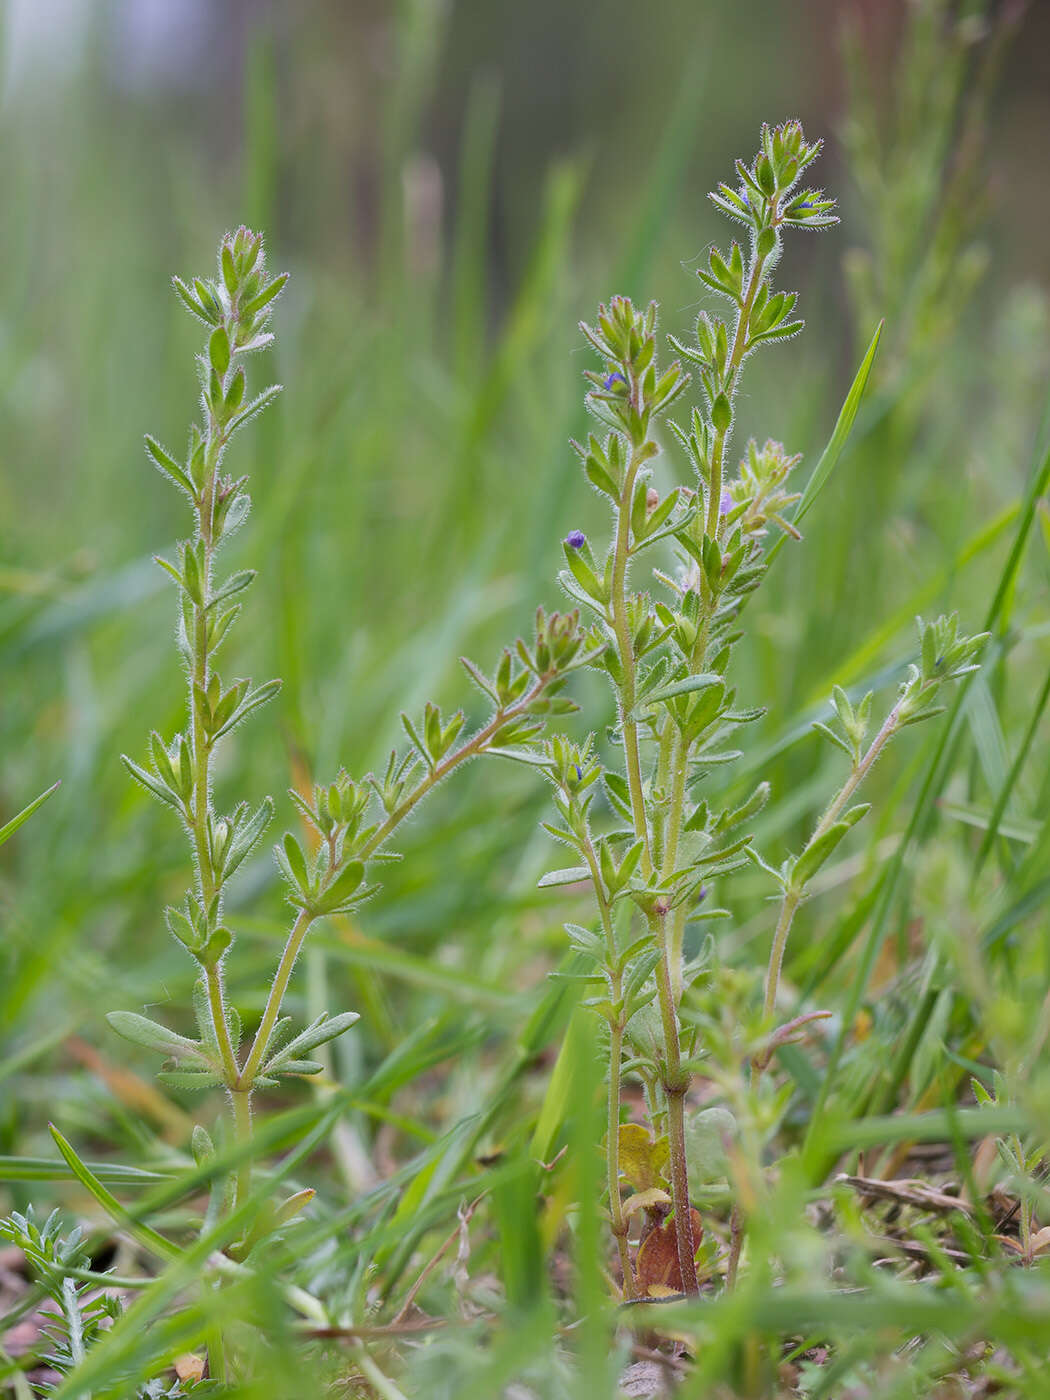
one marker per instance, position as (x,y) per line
(189,1367)
(657,1262)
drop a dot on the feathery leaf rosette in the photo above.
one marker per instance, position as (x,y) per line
(83,1309)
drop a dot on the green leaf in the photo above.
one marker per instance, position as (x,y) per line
(219,350)
(259,696)
(703,680)
(196,1080)
(229,272)
(166,463)
(296,862)
(140,1030)
(191,303)
(342,887)
(8,830)
(479,678)
(816,853)
(569,876)
(236,583)
(532,757)
(247,834)
(830,734)
(324,1029)
(585,576)
(256,406)
(706,1135)
(268,294)
(150,783)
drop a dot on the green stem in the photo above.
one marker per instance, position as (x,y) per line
(663,774)
(612,1149)
(625,646)
(207,885)
(473,746)
(679,779)
(789,904)
(612,1157)
(736,356)
(679,769)
(217,1003)
(303,921)
(675,1085)
(242,1128)
(272,1010)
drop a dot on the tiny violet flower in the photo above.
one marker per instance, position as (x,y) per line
(726,503)
(575,539)
(615,378)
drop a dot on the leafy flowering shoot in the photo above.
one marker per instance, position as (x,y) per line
(668,662)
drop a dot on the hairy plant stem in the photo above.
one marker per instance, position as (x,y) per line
(619,1224)
(207,885)
(472,747)
(616,1029)
(303,920)
(679,778)
(625,646)
(736,357)
(663,774)
(674,1087)
(278,988)
(217,1003)
(679,770)
(242,1121)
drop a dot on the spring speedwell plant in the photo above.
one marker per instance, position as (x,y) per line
(655,852)
(668,663)
(351,822)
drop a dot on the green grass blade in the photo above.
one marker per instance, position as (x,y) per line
(843,427)
(129,1341)
(47,1169)
(145,1234)
(6,832)
(938,767)
(996,822)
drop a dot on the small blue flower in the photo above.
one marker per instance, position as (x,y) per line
(615,378)
(804,205)
(575,539)
(726,503)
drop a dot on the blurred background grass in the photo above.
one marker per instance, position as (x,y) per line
(452,187)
